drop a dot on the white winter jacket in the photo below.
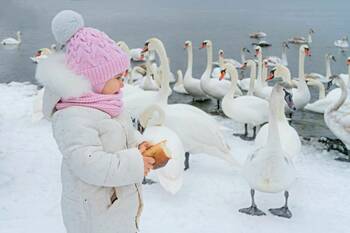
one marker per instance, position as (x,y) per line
(101,167)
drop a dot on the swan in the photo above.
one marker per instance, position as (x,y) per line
(212,87)
(246,83)
(198,131)
(273,60)
(233,61)
(43,53)
(250,110)
(320,104)
(257,35)
(261,89)
(192,85)
(289,137)
(338,119)
(136,53)
(302,40)
(325,78)
(301,94)
(269,169)
(13,41)
(179,85)
(172,174)
(147,82)
(343,43)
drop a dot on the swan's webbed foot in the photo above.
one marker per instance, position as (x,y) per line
(283,212)
(253,210)
(148,181)
(187,162)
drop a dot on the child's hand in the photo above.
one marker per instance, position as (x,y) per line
(147,164)
(144,146)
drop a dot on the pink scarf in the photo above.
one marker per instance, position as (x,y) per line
(111,104)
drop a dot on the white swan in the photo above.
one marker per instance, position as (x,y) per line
(236,63)
(290,140)
(136,53)
(43,53)
(301,94)
(250,110)
(12,41)
(324,78)
(192,85)
(198,131)
(273,60)
(212,87)
(269,168)
(179,85)
(148,82)
(261,89)
(338,119)
(302,40)
(343,43)
(320,104)
(171,175)
(247,84)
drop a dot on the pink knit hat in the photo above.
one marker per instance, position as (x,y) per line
(91,53)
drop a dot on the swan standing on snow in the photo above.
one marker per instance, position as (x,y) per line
(12,41)
(302,40)
(289,137)
(171,175)
(338,119)
(343,44)
(198,131)
(243,109)
(324,78)
(212,87)
(192,85)
(273,60)
(269,168)
(179,85)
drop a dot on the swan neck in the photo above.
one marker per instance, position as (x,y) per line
(309,39)
(189,61)
(284,56)
(301,67)
(349,77)
(148,114)
(209,59)
(260,68)
(342,98)
(234,77)
(164,90)
(321,91)
(276,102)
(252,79)
(242,56)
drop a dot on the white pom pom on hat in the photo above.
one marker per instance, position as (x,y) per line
(65,24)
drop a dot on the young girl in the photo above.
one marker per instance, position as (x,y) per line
(102,164)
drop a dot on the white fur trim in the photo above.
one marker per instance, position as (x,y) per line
(65,24)
(53,73)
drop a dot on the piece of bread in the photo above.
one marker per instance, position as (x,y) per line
(160,153)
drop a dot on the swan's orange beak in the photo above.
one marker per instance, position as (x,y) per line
(202,46)
(348,62)
(243,66)
(271,76)
(222,74)
(308,52)
(142,57)
(257,52)
(145,49)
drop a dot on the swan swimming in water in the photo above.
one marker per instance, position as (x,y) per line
(13,41)
(302,40)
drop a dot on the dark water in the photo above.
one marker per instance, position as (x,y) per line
(226,23)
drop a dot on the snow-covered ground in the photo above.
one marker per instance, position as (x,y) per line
(208,201)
